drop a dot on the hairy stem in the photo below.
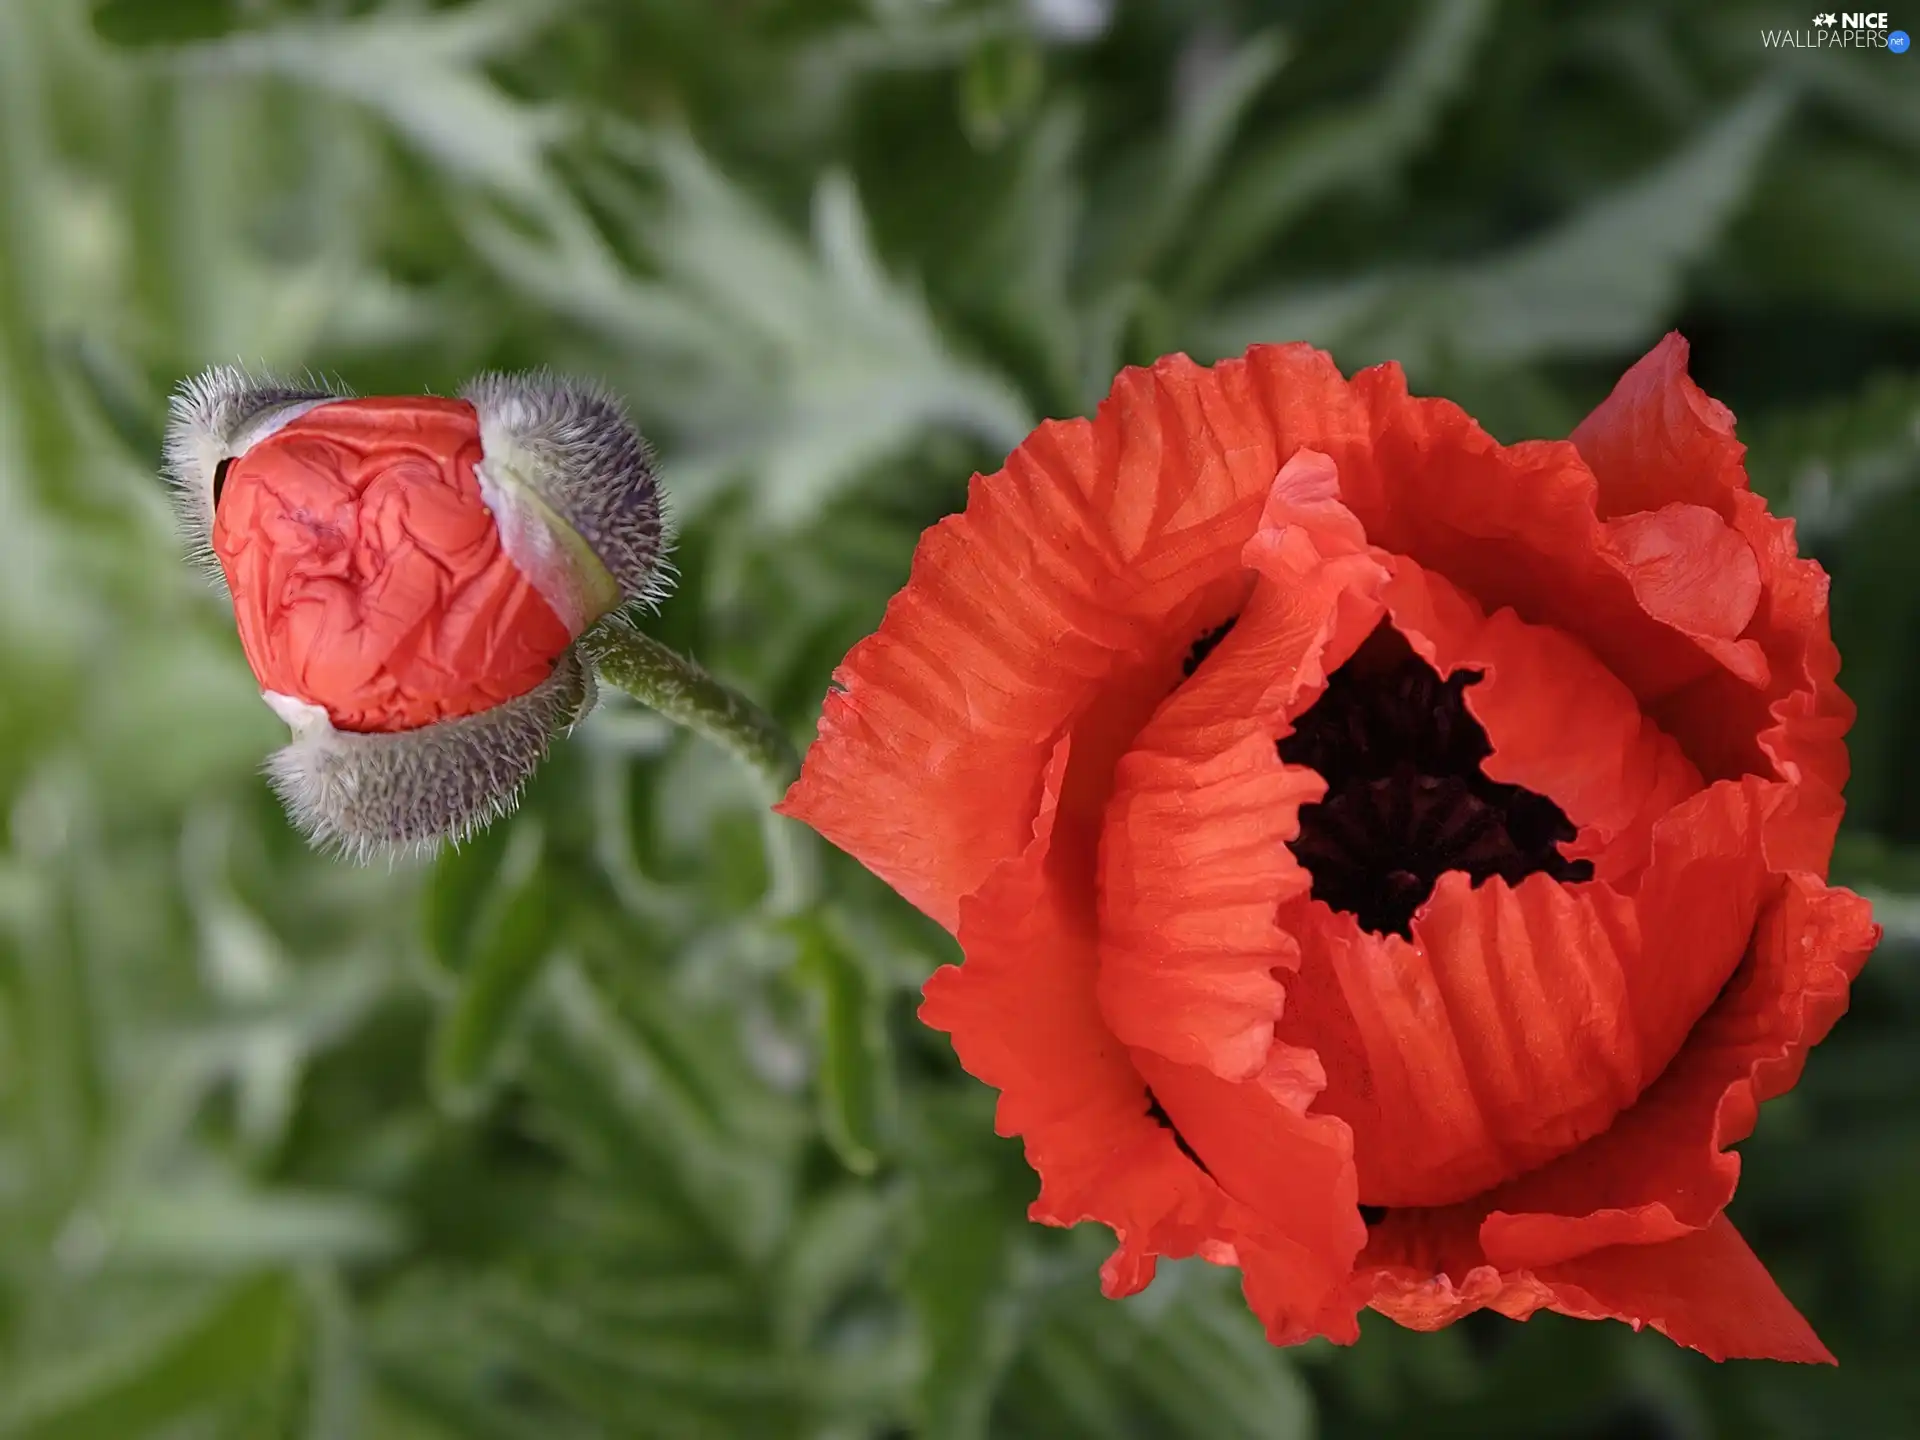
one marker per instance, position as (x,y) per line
(681,689)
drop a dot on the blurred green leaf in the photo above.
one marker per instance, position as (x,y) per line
(1340,149)
(1833,230)
(505,966)
(117,394)
(463,886)
(1829,464)
(1867,862)
(218,1226)
(145,22)
(1208,113)
(999,85)
(146,1382)
(1600,283)
(795,368)
(422,73)
(855,1079)
(840,1241)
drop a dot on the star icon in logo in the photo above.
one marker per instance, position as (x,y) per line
(1828,18)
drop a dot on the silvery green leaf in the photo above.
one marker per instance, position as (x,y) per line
(422,74)
(1599,283)
(788,366)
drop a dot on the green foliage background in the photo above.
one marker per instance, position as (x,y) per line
(565,1136)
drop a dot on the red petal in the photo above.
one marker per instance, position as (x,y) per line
(1023,1019)
(1424,1269)
(1693,571)
(1659,439)
(1522,1020)
(1707,1291)
(1560,723)
(1022,1015)
(1514,526)
(1193,854)
(1795,728)
(1696,910)
(367,573)
(1662,1168)
(1370,1008)
(1290,1174)
(1703,1289)
(1193,860)
(1500,1038)
(1098,554)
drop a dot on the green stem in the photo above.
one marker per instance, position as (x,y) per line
(679,688)
(683,691)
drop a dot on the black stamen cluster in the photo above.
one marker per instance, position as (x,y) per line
(1406,800)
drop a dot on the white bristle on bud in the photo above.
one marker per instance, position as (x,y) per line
(404,792)
(217,416)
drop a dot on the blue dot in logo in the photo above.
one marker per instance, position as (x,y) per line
(1898,42)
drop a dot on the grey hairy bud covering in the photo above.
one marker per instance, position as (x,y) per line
(367,795)
(218,415)
(574,444)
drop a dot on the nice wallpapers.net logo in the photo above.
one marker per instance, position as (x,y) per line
(1846,30)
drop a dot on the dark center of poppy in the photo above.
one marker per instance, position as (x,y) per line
(1406,800)
(1205,646)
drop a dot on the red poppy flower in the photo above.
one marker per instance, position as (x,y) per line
(409,576)
(1386,860)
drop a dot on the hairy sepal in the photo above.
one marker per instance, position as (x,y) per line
(571,483)
(216,416)
(367,796)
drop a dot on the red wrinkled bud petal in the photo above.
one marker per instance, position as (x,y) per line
(368,576)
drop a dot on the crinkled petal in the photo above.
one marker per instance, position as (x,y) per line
(1795,727)
(1536,980)
(1371,1009)
(1290,1175)
(1424,1269)
(1659,441)
(1661,1170)
(1517,526)
(1193,854)
(1706,1290)
(1103,547)
(1194,857)
(1521,1020)
(1023,1018)
(1500,1037)
(367,574)
(1703,1289)
(1663,1167)
(1696,910)
(1694,572)
(1561,725)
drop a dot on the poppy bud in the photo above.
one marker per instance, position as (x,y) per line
(409,576)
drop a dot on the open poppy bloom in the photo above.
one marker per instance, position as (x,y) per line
(409,576)
(1386,860)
